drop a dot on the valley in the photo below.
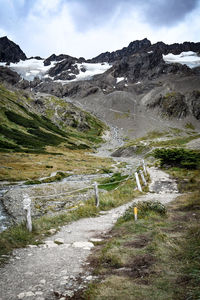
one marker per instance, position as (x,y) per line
(67,123)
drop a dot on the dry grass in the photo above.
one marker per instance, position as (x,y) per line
(24,166)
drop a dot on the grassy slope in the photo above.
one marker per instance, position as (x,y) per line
(24,130)
(33,146)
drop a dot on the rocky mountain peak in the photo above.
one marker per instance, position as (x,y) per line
(133,47)
(10,52)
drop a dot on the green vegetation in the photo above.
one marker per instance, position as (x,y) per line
(112,182)
(189,126)
(178,157)
(58,177)
(156,257)
(177,142)
(23,130)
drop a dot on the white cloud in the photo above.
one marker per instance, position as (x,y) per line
(49,27)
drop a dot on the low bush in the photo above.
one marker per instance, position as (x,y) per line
(178,157)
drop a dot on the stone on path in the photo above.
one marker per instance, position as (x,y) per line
(84,245)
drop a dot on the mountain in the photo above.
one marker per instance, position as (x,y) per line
(10,52)
(145,46)
(145,80)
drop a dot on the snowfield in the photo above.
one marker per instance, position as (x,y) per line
(28,69)
(189,58)
(31,68)
(91,69)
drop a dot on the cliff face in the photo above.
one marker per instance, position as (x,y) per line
(10,52)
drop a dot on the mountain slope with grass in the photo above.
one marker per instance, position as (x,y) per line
(30,125)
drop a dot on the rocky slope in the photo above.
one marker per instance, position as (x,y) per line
(136,88)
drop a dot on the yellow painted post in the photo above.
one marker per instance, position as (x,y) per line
(135,213)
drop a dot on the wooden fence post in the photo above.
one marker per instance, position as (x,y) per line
(138,182)
(96,194)
(143,178)
(27,208)
(144,167)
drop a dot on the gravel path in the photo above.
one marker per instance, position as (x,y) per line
(37,272)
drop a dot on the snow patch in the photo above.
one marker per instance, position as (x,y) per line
(189,58)
(120,79)
(31,68)
(91,70)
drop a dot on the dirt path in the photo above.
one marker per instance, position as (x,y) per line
(37,272)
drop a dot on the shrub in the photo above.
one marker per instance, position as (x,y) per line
(178,157)
(145,207)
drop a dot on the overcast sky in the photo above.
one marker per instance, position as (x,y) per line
(89,27)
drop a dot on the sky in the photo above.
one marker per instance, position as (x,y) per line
(89,27)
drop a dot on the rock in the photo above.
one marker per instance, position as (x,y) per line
(171,105)
(32,246)
(194,99)
(13,203)
(64,272)
(95,240)
(35,82)
(145,46)
(51,244)
(60,57)
(25,294)
(21,296)
(43,281)
(59,241)
(52,231)
(68,64)
(9,76)
(23,84)
(132,48)
(84,245)
(29,294)
(89,278)
(70,293)
(9,51)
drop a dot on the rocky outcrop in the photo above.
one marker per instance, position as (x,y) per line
(65,70)
(146,66)
(175,48)
(10,52)
(131,151)
(145,46)
(73,89)
(172,105)
(194,98)
(133,47)
(9,76)
(61,57)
